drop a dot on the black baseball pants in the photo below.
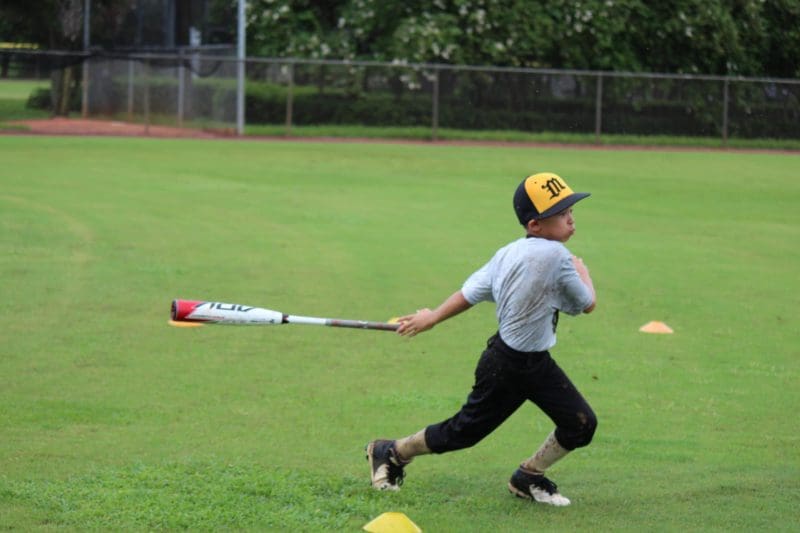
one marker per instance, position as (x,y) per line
(504,379)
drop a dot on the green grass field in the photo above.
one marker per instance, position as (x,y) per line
(112,420)
(422,133)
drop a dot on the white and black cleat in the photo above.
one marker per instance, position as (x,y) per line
(536,487)
(386,468)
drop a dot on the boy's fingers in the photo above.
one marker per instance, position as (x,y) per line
(406,331)
(405,326)
(410,325)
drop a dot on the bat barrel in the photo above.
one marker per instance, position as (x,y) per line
(223,313)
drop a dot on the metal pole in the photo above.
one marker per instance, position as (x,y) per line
(240,54)
(85,63)
(725,99)
(290,100)
(435,111)
(147,97)
(598,109)
(181,87)
(130,89)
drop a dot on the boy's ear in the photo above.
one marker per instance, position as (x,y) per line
(532,226)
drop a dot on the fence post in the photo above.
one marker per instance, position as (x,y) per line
(725,113)
(181,87)
(435,111)
(240,67)
(85,87)
(130,89)
(85,63)
(598,109)
(147,97)
(290,99)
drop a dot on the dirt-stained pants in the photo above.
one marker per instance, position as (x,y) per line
(504,379)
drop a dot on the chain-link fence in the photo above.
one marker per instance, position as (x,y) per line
(196,88)
(187,89)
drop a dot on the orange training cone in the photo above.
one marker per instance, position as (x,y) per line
(655,327)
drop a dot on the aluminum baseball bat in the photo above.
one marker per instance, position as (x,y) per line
(201,312)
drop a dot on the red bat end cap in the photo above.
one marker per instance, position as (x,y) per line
(182,308)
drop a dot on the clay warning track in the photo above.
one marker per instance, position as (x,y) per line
(71,126)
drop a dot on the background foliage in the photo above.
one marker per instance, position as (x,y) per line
(742,37)
(736,37)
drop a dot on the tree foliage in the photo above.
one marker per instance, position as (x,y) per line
(733,37)
(724,37)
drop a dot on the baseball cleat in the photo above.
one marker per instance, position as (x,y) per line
(535,487)
(387,468)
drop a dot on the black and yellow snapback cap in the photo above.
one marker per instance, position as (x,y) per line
(542,195)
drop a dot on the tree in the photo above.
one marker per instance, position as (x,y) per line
(61,31)
(739,37)
(781,52)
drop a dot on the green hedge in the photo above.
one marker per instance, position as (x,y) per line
(764,120)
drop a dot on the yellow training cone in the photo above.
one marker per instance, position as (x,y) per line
(392,523)
(655,327)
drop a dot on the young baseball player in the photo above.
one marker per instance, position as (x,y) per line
(530,280)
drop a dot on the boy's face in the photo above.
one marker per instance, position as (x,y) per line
(559,227)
